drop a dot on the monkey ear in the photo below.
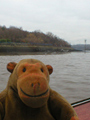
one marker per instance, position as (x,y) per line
(50,69)
(11,66)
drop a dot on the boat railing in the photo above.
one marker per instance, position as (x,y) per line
(80,102)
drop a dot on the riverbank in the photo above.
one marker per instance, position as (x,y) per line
(31,49)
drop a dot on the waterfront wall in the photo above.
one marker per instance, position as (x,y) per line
(24,49)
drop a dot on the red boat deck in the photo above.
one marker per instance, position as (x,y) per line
(83,110)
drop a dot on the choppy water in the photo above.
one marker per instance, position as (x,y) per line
(70,78)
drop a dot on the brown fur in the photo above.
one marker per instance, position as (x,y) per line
(29,97)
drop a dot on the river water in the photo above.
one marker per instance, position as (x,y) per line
(70,78)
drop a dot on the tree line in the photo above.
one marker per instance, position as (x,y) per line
(18,35)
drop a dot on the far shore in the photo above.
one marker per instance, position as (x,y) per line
(25,50)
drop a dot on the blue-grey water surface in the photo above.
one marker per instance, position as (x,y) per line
(70,78)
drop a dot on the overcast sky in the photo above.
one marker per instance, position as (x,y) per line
(67,19)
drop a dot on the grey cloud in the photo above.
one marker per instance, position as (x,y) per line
(68,19)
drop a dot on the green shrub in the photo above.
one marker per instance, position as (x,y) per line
(5,40)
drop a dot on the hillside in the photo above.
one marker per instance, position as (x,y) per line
(36,38)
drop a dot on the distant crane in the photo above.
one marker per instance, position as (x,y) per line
(85,44)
